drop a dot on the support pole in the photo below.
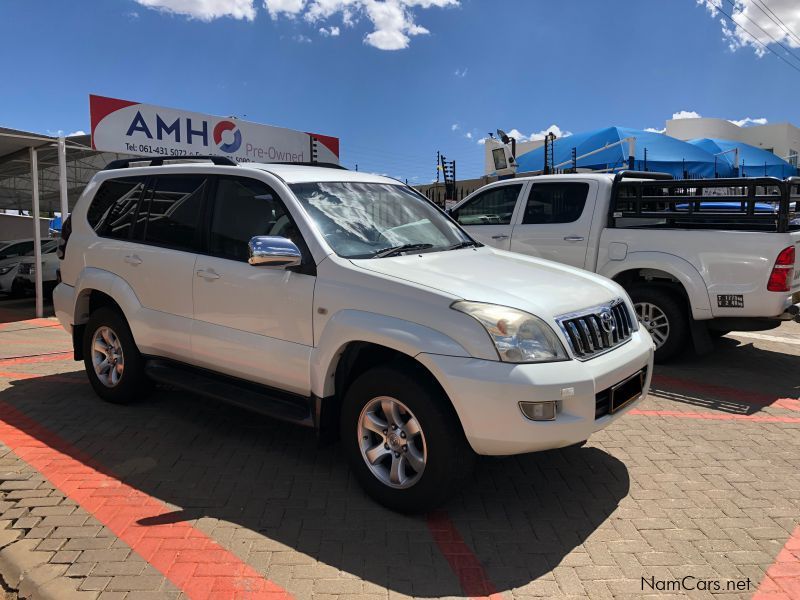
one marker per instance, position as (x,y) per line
(37,234)
(62,177)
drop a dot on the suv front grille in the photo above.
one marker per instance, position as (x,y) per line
(597,330)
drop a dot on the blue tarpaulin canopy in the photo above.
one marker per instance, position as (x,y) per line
(757,162)
(665,154)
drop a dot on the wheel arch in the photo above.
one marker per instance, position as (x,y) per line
(655,268)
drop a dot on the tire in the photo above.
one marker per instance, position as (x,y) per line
(448,458)
(130,382)
(670,341)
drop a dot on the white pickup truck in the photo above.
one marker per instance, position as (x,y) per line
(698,257)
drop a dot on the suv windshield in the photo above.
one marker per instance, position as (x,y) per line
(365,220)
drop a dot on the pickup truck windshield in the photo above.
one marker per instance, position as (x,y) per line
(374,220)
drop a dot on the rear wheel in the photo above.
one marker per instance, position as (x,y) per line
(662,313)
(113,363)
(403,440)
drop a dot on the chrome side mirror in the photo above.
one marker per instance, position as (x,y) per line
(272,251)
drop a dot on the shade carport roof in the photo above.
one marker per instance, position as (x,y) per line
(755,162)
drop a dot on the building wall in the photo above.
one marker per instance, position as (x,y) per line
(783,139)
(16,227)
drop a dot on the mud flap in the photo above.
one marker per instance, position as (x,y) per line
(701,339)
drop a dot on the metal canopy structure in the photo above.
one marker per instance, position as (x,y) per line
(45,173)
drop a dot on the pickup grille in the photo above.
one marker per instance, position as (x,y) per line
(597,330)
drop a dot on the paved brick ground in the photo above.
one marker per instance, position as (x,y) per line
(652,496)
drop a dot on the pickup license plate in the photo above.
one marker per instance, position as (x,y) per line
(626,391)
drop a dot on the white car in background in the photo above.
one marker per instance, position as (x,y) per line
(11,254)
(25,279)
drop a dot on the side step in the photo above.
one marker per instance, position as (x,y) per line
(244,394)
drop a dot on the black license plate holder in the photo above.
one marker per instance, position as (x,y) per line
(626,392)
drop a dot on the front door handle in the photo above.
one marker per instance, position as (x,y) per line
(209,275)
(499,237)
(132,259)
(574,238)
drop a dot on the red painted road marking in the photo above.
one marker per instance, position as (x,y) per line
(713,416)
(782,580)
(175,549)
(474,581)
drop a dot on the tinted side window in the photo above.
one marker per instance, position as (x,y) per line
(492,207)
(114,206)
(555,203)
(19,249)
(242,209)
(171,212)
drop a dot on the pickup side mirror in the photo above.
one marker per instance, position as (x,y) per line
(272,251)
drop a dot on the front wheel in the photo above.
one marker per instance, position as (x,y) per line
(662,313)
(403,440)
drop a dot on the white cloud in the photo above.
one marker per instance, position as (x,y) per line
(654,130)
(290,8)
(331,31)
(393,21)
(482,142)
(753,20)
(302,39)
(468,135)
(461,73)
(686,114)
(79,132)
(454,127)
(748,121)
(205,10)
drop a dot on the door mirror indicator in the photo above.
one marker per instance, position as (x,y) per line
(272,251)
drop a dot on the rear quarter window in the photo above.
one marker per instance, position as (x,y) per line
(114,207)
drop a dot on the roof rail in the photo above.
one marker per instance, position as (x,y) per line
(326,165)
(157,161)
(641,175)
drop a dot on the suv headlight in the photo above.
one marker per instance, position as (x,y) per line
(4,270)
(519,337)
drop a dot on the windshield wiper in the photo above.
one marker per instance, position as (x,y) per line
(397,249)
(465,244)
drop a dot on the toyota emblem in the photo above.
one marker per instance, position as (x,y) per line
(607,320)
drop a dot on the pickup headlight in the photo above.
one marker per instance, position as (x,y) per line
(519,337)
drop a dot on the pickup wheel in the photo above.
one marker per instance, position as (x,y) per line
(113,363)
(403,440)
(662,313)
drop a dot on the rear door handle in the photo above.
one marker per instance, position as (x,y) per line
(132,259)
(499,237)
(574,238)
(209,275)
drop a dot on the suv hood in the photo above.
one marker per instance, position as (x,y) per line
(541,287)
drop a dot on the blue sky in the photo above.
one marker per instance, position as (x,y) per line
(398,80)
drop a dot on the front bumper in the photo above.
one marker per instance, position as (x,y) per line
(486,396)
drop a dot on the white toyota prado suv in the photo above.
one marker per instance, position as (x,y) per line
(346,302)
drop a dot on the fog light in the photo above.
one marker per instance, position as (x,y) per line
(539,411)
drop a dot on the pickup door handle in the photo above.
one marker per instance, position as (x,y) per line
(208,274)
(132,259)
(574,238)
(499,237)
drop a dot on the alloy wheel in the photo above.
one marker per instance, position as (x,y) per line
(655,321)
(392,442)
(107,356)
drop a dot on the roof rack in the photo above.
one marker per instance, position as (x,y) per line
(326,165)
(157,161)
